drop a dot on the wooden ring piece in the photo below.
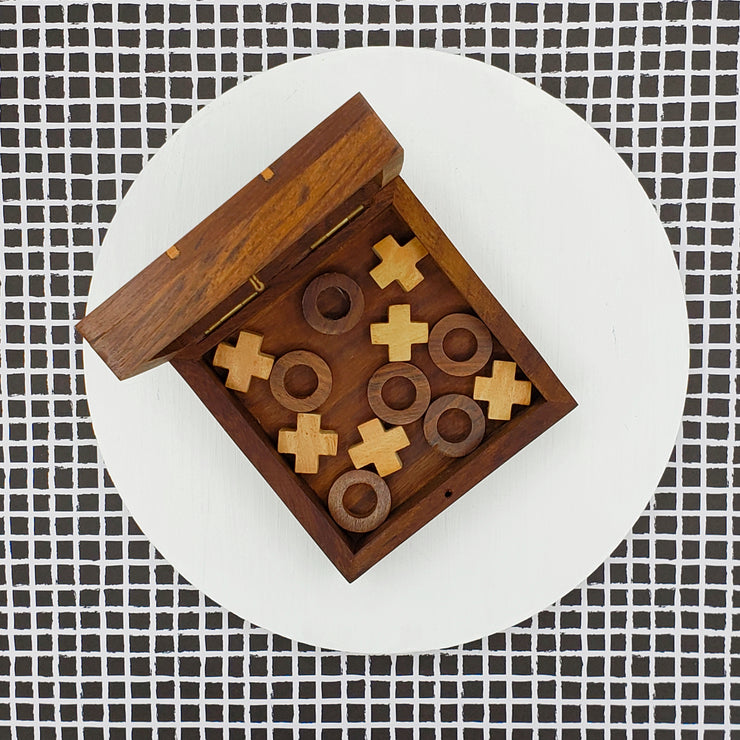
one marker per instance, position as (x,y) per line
(483,349)
(477,424)
(399,370)
(298,358)
(343,283)
(353,523)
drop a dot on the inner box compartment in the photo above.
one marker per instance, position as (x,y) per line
(277,315)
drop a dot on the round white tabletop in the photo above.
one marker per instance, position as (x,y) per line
(563,235)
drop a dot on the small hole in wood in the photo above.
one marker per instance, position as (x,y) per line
(460,345)
(301,381)
(454,425)
(333,303)
(448,494)
(398,393)
(359,500)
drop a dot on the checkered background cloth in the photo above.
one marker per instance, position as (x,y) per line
(99,637)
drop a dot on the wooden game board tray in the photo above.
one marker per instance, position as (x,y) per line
(336,234)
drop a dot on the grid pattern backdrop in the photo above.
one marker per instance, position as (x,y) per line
(99,637)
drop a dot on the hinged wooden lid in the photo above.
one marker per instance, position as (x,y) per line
(136,328)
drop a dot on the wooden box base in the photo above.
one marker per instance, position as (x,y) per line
(428,480)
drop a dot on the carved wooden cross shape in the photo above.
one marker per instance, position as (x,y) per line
(379,447)
(243,361)
(398,263)
(502,390)
(399,333)
(307,442)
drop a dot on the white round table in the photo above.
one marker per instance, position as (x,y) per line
(561,232)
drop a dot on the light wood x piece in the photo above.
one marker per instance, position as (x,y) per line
(502,390)
(398,263)
(244,361)
(307,442)
(399,333)
(379,447)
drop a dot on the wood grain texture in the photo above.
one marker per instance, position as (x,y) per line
(353,522)
(455,322)
(467,442)
(299,358)
(243,361)
(379,447)
(407,413)
(399,333)
(502,391)
(326,322)
(307,442)
(346,153)
(398,263)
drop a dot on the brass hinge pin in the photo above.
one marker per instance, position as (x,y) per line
(258,286)
(336,228)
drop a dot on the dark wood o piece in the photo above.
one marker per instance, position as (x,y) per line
(395,370)
(460,368)
(477,424)
(353,523)
(326,324)
(295,359)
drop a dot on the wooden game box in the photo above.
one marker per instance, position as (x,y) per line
(341,340)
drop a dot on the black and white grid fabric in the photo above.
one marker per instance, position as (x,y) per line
(99,637)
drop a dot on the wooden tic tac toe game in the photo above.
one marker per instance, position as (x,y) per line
(341,340)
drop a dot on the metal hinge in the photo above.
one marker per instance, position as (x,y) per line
(258,286)
(336,228)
